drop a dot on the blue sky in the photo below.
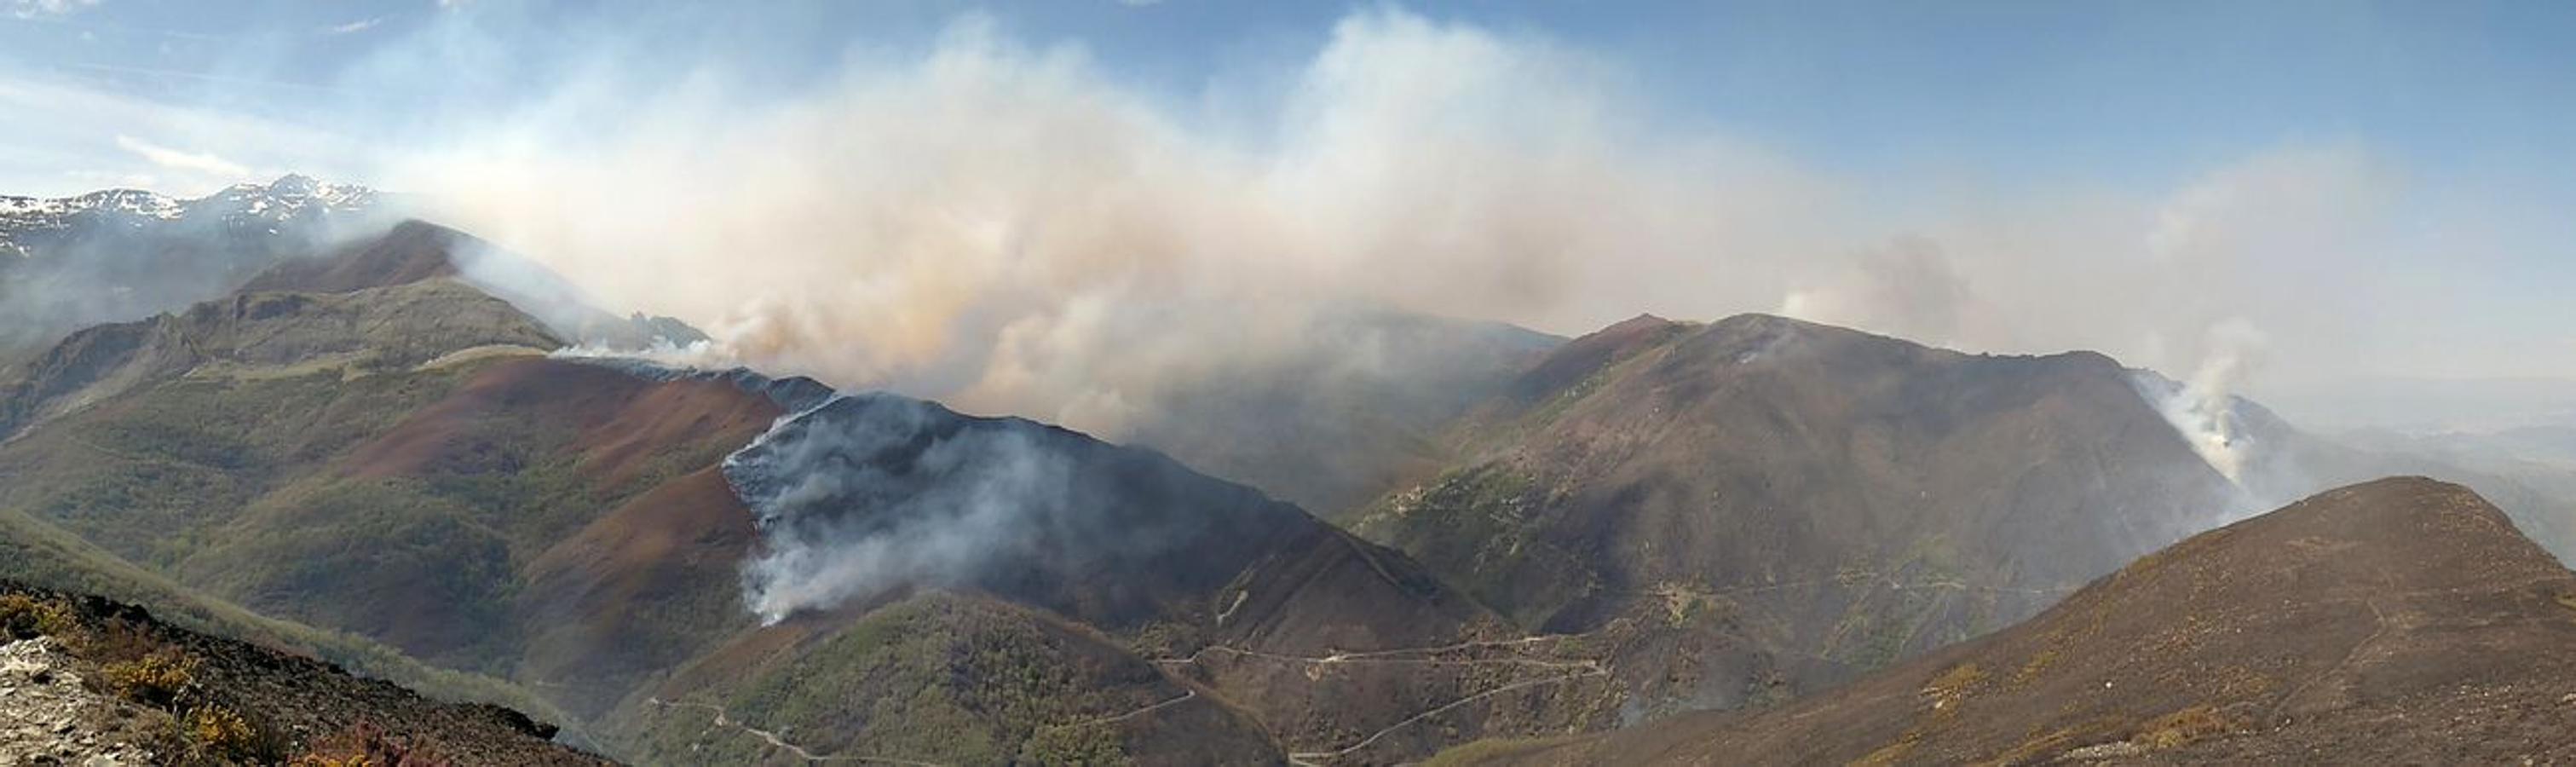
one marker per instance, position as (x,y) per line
(2112,92)
(2379,187)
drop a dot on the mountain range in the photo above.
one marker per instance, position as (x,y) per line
(343,442)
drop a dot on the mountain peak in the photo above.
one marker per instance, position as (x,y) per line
(296,183)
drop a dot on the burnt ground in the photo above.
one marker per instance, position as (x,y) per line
(292,705)
(2402,621)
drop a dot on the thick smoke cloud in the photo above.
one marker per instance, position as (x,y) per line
(1003,228)
(1009,229)
(1907,286)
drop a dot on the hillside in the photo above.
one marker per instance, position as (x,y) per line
(2396,621)
(365,443)
(1760,507)
(1050,553)
(1354,412)
(91,681)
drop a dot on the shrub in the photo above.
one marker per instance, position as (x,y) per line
(218,731)
(2183,728)
(1092,745)
(26,617)
(156,679)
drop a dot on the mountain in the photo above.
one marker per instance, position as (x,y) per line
(368,442)
(2522,471)
(85,680)
(117,255)
(1352,414)
(2397,621)
(1760,507)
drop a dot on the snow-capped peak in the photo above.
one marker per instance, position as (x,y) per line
(253,206)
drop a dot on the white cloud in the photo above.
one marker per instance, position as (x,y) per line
(360,25)
(29,9)
(82,122)
(177,159)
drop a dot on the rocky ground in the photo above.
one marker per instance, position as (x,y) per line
(88,681)
(49,716)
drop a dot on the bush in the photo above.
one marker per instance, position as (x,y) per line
(26,617)
(218,731)
(2183,728)
(157,679)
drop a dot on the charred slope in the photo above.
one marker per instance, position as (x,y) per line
(2397,621)
(185,697)
(1113,536)
(1759,506)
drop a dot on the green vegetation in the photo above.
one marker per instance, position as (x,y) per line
(1477,526)
(152,475)
(939,678)
(39,554)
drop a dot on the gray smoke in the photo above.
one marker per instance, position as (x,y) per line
(844,517)
(860,495)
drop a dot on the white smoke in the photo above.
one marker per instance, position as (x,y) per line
(2203,408)
(1008,230)
(1908,287)
(840,521)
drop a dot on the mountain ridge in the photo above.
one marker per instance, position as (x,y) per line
(2292,634)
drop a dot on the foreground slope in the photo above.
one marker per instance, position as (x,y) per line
(1758,507)
(85,680)
(2398,621)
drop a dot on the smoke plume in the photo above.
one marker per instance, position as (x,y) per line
(862,495)
(2204,408)
(1005,229)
